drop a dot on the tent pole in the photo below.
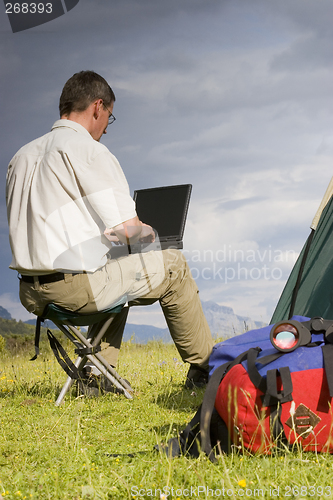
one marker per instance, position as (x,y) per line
(300,272)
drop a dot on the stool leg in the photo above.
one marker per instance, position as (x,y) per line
(122,386)
(69,382)
(79,363)
(103,366)
(112,371)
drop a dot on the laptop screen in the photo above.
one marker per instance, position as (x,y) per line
(164,208)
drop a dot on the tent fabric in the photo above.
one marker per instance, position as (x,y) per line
(315,293)
(326,198)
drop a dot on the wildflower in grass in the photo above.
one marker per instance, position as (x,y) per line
(242,483)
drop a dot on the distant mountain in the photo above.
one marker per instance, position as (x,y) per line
(4,313)
(222,321)
(141,334)
(47,323)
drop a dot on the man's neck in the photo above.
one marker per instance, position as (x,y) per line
(82,118)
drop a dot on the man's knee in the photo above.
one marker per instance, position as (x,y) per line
(175,262)
(179,274)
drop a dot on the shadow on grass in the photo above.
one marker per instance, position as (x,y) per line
(180,399)
(168,429)
(39,388)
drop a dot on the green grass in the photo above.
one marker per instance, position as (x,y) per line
(55,453)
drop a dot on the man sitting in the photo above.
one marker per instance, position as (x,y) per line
(67,201)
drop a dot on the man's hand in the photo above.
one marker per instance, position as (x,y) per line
(147,234)
(111,236)
(130,232)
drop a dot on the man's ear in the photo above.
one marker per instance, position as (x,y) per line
(98,104)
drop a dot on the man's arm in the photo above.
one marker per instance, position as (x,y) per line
(130,232)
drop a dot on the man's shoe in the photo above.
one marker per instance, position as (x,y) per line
(196,377)
(94,383)
(87,388)
(107,385)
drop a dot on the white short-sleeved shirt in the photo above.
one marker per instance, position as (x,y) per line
(63,190)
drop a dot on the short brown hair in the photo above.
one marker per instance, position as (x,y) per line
(82,89)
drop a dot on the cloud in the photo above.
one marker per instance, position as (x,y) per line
(231,96)
(151,315)
(307,54)
(304,15)
(10,302)
(238,203)
(255,299)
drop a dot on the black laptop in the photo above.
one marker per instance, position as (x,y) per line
(165,209)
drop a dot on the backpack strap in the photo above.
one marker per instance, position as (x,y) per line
(328,365)
(268,385)
(186,441)
(198,431)
(277,428)
(208,403)
(271,397)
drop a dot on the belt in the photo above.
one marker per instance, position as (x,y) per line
(46,278)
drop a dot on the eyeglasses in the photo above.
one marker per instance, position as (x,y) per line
(111,116)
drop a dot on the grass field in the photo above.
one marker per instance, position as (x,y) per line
(65,453)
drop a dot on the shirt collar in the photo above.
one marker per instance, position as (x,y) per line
(62,123)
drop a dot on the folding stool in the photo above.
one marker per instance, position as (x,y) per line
(86,348)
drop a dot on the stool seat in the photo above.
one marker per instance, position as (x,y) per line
(58,313)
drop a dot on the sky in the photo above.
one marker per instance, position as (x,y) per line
(231,96)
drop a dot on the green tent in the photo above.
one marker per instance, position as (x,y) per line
(309,289)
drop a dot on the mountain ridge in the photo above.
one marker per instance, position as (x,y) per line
(222,320)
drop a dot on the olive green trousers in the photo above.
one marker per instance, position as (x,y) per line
(139,279)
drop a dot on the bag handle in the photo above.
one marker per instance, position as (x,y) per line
(268,385)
